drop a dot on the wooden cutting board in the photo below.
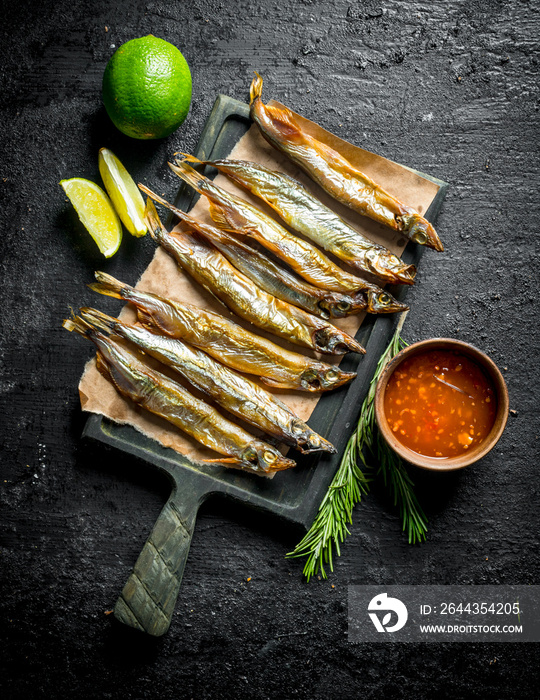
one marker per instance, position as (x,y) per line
(149,596)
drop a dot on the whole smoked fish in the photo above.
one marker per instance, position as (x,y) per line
(272,277)
(216,274)
(160,395)
(304,213)
(225,340)
(234,213)
(232,391)
(335,174)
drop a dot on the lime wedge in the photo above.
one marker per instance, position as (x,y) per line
(122,190)
(96,213)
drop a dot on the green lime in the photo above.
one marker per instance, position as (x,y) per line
(124,193)
(96,213)
(147,88)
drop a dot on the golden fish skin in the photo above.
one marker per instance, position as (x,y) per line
(230,212)
(284,285)
(335,174)
(226,341)
(306,214)
(215,273)
(273,278)
(281,283)
(233,392)
(160,395)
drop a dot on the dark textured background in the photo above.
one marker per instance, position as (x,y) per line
(449,88)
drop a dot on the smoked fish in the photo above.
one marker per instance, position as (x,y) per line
(307,215)
(225,340)
(335,174)
(233,213)
(160,395)
(271,276)
(215,273)
(235,393)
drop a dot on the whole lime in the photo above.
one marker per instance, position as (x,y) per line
(147,88)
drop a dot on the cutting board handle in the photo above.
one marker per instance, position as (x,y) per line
(149,596)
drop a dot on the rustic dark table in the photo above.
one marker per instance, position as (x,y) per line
(449,88)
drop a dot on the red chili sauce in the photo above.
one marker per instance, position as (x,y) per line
(440,404)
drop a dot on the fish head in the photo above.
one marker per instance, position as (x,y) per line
(308,440)
(389,266)
(325,378)
(262,457)
(381,302)
(341,305)
(421,231)
(332,340)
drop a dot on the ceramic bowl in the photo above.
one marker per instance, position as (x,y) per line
(501,416)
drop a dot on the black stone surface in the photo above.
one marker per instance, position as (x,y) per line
(449,88)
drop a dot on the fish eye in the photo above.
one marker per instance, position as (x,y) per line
(269,457)
(384,299)
(343,306)
(332,374)
(419,237)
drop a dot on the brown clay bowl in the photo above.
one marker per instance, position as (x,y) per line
(501,416)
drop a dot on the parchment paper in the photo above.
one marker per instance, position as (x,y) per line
(163,276)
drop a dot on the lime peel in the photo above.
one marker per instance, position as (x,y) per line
(147,88)
(96,212)
(124,193)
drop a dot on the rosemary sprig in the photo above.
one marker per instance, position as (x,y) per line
(401,488)
(335,512)
(351,482)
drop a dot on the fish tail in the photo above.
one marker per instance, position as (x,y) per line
(80,326)
(277,118)
(188,174)
(99,320)
(151,309)
(76,324)
(188,158)
(153,196)
(225,203)
(255,90)
(111,287)
(158,232)
(151,218)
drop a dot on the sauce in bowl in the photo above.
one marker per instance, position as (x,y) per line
(439,403)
